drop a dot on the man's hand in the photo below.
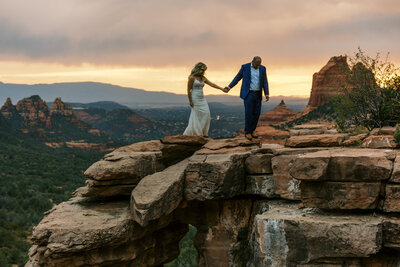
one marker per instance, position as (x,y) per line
(266,98)
(226,89)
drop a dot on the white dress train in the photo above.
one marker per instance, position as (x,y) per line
(199,120)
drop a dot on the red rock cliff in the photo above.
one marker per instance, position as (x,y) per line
(328,82)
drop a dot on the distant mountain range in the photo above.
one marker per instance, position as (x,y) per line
(87,92)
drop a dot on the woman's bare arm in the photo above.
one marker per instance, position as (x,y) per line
(212,84)
(189,90)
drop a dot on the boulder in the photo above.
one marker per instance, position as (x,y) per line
(260,185)
(158,194)
(323,140)
(287,236)
(120,171)
(180,147)
(343,165)
(340,195)
(379,141)
(259,164)
(215,176)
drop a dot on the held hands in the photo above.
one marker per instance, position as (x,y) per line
(226,89)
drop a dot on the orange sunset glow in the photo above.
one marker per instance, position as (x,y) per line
(138,44)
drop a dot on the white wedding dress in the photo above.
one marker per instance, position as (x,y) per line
(199,120)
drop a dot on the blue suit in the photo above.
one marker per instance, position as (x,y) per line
(252,100)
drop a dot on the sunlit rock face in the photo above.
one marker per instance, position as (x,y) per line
(328,82)
(252,205)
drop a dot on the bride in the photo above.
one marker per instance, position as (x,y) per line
(199,120)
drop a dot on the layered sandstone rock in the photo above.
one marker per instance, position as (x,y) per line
(323,140)
(177,148)
(79,233)
(308,129)
(325,177)
(252,205)
(285,185)
(120,171)
(287,236)
(328,82)
(355,140)
(344,165)
(215,176)
(158,194)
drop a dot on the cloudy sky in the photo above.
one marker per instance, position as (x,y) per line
(153,44)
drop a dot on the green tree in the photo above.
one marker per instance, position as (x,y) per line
(371,96)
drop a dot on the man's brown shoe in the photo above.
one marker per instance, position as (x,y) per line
(248,136)
(254,135)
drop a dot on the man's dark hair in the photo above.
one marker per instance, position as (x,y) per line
(256,58)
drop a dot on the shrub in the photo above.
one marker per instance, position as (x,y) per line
(371,94)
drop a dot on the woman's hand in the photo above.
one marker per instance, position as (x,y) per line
(191,103)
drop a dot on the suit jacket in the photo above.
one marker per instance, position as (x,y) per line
(245,74)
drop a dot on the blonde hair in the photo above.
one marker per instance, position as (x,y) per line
(198,70)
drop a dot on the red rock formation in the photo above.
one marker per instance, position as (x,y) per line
(60,107)
(327,82)
(8,110)
(34,111)
(244,204)
(280,114)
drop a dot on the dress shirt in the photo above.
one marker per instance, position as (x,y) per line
(255,79)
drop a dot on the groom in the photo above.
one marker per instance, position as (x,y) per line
(254,81)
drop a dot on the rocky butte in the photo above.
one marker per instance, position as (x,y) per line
(280,114)
(328,82)
(312,203)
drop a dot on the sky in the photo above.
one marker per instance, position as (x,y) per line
(153,44)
